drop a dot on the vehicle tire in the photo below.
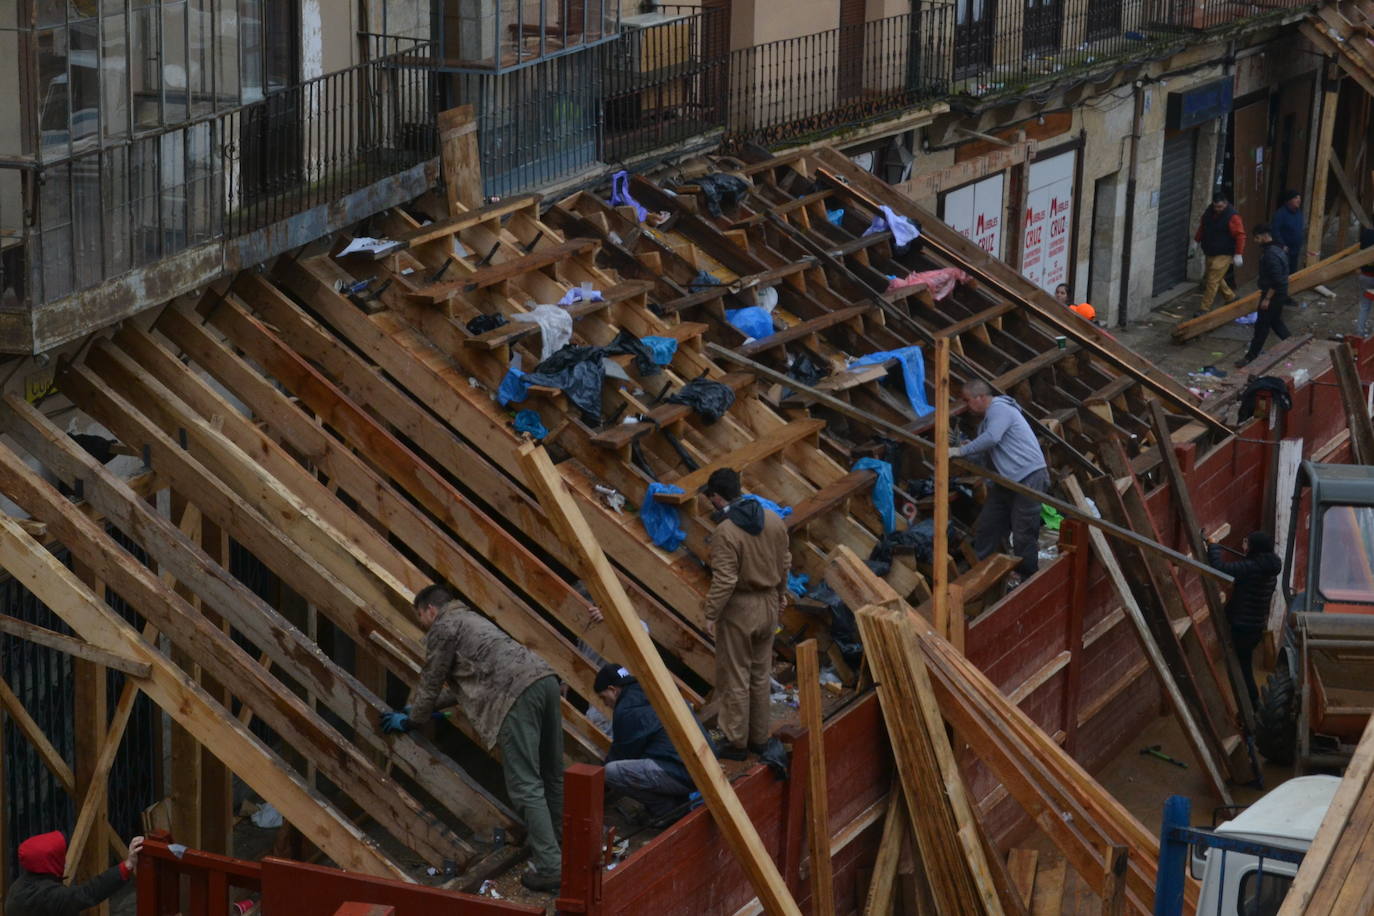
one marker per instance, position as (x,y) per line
(1276,720)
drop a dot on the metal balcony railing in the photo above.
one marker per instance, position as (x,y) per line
(70,224)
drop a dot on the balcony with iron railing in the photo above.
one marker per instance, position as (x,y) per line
(164,211)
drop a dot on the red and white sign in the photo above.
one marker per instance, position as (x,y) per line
(975,211)
(1047,227)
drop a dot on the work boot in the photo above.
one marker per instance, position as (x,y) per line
(731,752)
(1243,362)
(545,884)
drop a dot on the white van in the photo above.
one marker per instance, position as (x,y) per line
(1233,883)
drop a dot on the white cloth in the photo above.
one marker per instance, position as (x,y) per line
(578,294)
(904,231)
(555,325)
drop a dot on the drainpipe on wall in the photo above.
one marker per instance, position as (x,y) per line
(1129,222)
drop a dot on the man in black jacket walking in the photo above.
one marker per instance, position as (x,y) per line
(642,762)
(1273,289)
(39,890)
(1247,610)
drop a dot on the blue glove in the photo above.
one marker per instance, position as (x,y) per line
(394,723)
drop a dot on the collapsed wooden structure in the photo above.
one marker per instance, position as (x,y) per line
(336,417)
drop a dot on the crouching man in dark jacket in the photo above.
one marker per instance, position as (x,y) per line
(1247,610)
(39,890)
(642,762)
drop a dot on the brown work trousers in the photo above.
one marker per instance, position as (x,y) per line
(744,665)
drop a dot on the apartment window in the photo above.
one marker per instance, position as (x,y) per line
(501,34)
(973,35)
(1104,19)
(1041,34)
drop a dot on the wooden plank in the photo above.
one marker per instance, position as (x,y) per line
(1191,729)
(73,647)
(765,446)
(817,801)
(1290,459)
(459,159)
(1348,190)
(940,547)
(284,644)
(622,434)
(466,219)
(1049,890)
(217,653)
(1183,507)
(1338,265)
(804,329)
(1354,404)
(828,497)
(485,277)
(883,886)
(991,313)
(512,331)
(1316,222)
(1114,881)
(93,809)
(901,433)
(191,707)
(1021,863)
(639,654)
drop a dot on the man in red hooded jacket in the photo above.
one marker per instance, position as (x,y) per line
(39,891)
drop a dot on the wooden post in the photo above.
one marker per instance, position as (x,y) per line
(940,553)
(817,802)
(1352,399)
(583,817)
(882,888)
(1073,535)
(89,704)
(1317,205)
(641,656)
(1114,881)
(216,781)
(461,161)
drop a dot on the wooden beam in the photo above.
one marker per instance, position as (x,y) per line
(752,452)
(283,643)
(940,550)
(883,885)
(1353,401)
(73,647)
(169,687)
(903,434)
(217,653)
(1352,196)
(1338,265)
(461,163)
(817,789)
(1191,730)
(1316,223)
(92,807)
(639,654)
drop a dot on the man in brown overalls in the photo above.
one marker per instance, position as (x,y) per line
(749,564)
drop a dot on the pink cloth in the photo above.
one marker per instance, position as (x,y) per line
(940,282)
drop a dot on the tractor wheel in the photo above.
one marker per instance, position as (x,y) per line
(1276,720)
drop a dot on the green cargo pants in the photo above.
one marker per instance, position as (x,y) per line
(531,741)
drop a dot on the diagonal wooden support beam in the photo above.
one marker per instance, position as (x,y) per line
(637,652)
(73,647)
(172,690)
(297,655)
(216,652)
(100,773)
(1354,404)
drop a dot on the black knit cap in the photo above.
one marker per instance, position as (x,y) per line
(610,676)
(723,482)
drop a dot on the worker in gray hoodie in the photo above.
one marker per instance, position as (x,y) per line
(1005,440)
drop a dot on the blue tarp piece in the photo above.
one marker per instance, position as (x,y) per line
(797,584)
(703,280)
(513,388)
(882,490)
(527,421)
(913,374)
(752,321)
(661,348)
(620,194)
(661,519)
(779,511)
(836,217)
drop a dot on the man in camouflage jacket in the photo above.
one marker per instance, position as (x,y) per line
(510,695)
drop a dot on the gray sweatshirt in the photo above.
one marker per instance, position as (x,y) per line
(1006,437)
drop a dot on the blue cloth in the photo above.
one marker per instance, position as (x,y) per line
(779,511)
(882,490)
(527,421)
(660,519)
(660,348)
(1289,229)
(703,280)
(913,374)
(797,584)
(836,217)
(395,723)
(620,194)
(752,321)
(513,388)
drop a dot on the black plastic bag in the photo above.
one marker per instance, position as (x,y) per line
(722,192)
(709,399)
(484,323)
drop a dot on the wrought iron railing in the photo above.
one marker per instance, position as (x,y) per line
(68,225)
(840,77)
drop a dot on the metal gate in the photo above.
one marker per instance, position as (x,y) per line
(1173,227)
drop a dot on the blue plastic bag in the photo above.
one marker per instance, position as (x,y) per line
(527,421)
(779,511)
(661,519)
(797,584)
(513,388)
(913,374)
(882,490)
(661,348)
(752,321)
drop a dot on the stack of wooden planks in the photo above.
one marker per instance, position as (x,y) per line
(1331,880)
(948,836)
(1084,821)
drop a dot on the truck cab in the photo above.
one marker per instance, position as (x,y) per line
(1244,883)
